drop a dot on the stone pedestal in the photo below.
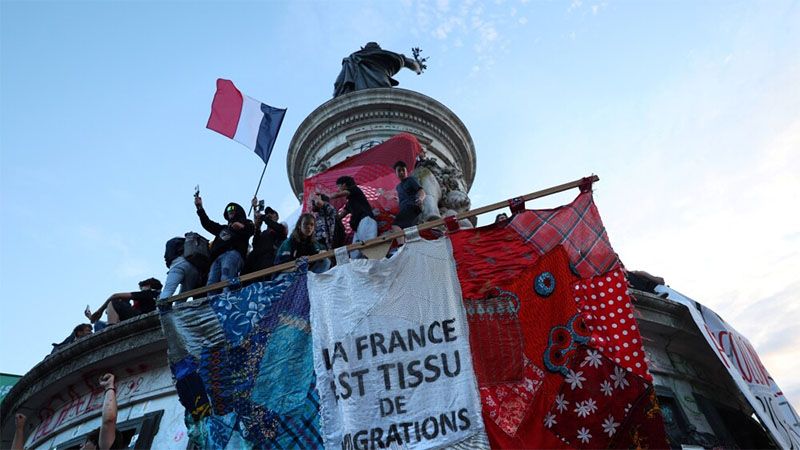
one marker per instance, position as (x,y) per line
(352,123)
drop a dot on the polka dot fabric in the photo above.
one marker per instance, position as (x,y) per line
(605,304)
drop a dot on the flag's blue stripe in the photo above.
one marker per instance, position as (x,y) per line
(268,131)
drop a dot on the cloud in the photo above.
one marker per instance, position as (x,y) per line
(473,24)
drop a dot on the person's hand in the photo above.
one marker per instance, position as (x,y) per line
(254,203)
(237,226)
(87,312)
(19,420)
(107,381)
(198,201)
(96,316)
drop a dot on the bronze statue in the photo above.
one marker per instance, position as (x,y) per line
(373,67)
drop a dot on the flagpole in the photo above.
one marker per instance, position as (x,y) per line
(258,187)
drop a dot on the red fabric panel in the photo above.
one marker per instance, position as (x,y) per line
(372,170)
(488,257)
(570,245)
(577,226)
(508,404)
(594,401)
(225,109)
(495,338)
(606,307)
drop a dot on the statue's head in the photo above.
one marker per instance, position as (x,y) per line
(371,46)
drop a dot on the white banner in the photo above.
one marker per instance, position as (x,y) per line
(391,352)
(742,362)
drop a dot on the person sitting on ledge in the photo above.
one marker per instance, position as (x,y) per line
(78,332)
(118,306)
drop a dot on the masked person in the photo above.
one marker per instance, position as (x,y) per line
(229,248)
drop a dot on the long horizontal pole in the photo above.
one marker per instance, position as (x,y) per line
(386,237)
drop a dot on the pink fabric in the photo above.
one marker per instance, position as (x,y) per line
(373,172)
(508,404)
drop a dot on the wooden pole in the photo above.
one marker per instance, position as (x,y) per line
(388,237)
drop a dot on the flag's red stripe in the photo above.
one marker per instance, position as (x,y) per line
(226,109)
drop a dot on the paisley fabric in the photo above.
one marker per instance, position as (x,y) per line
(508,404)
(253,385)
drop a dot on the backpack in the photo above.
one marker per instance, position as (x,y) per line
(196,251)
(173,249)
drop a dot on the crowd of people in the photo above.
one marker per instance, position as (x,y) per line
(193,261)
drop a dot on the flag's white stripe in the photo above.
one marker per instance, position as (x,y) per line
(249,122)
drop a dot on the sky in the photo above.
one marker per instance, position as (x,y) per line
(688,111)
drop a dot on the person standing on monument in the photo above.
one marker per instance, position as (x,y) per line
(410,196)
(229,248)
(362,220)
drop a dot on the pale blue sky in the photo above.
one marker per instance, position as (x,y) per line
(688,111)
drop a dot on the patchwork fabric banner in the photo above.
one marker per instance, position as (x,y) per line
(243,366)
(552,329)
(742,362)
(391,353)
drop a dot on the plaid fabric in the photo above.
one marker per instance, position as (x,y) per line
(577,226)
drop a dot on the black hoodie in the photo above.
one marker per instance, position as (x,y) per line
(225,237)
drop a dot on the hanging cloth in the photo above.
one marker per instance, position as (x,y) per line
(391,352)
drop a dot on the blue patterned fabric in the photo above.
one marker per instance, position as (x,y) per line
(253,384)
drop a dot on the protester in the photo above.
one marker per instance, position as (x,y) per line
(329,229)
(107,436)
(78,332)
(303,243)
(410,196)
(362,220)
(267,242)
(500,218)
(119,308)
(181,272)
(229,248)
(19,431)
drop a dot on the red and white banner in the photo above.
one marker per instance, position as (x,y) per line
(742,362)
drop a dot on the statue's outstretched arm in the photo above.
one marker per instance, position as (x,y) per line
(411,63)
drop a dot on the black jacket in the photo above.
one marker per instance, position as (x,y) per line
(225,237)
(265,244)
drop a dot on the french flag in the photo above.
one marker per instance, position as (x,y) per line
(244,119)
